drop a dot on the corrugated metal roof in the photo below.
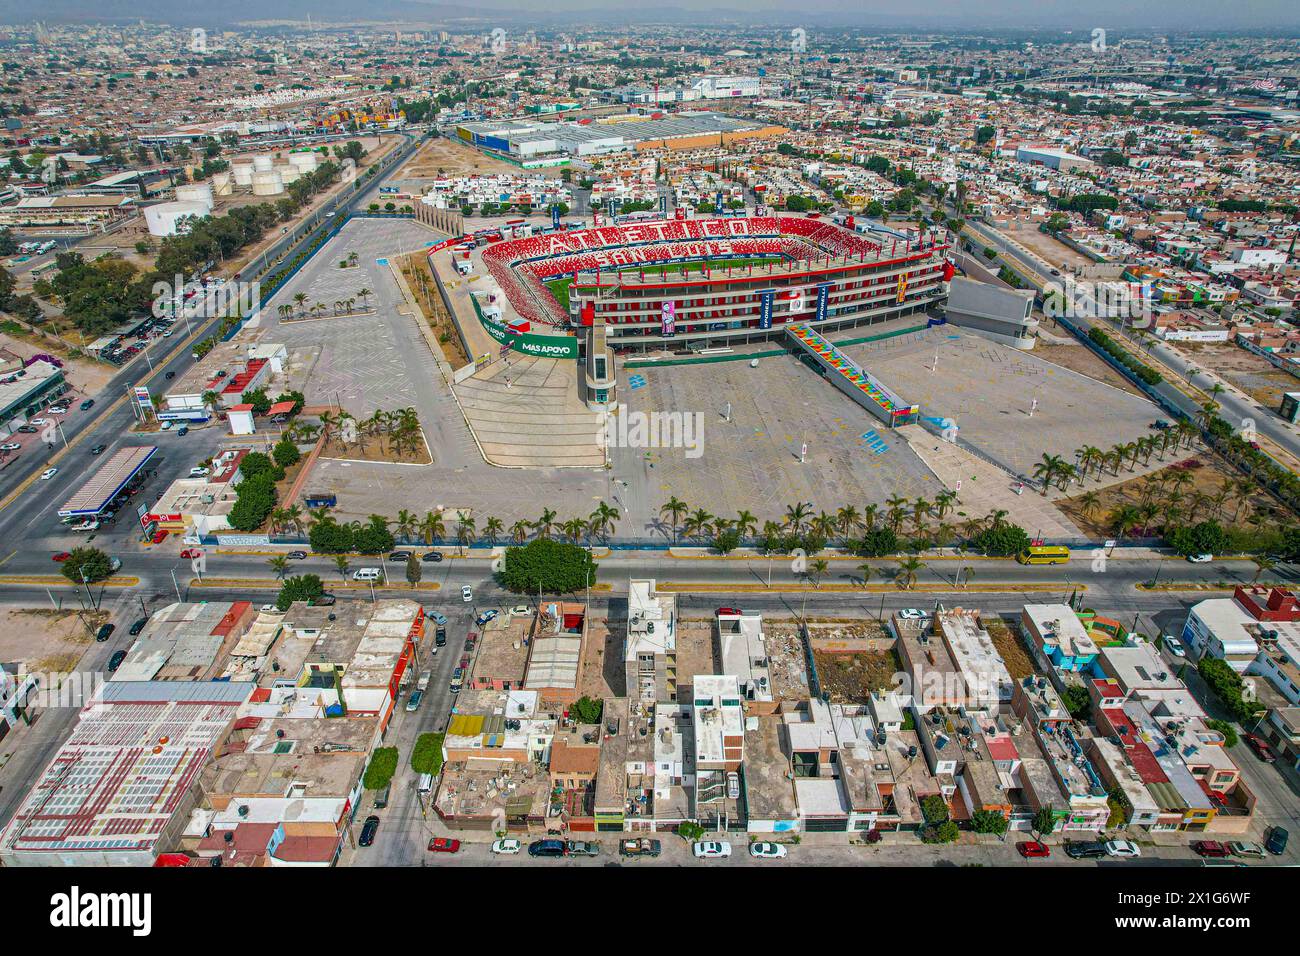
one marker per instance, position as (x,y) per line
(100,489)
(208,691)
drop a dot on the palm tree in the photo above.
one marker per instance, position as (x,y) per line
(1124,519)
(492,530)
(796,515)
(405,524)
(675,508)
(574,529)
(293,517)
(870,513)
(519,531)
(545,523)
(603,519)
(995,518)
(432,527)
(465,531)
(745,523)
(1244,489)
(299,300)
(1116,457)
(920,510)
(1089,502)
(816,570)
(699,523)
(943,501)
(1091,455)
(907,571)
(897,505)
(847,518)
(365,295)
(823,525)
(341,565)
(279,564)
(1066,474)
(1146,512)
(1047,469)
(866,570)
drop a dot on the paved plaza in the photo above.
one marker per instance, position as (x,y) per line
(989,390)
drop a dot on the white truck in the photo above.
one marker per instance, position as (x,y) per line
(423,682)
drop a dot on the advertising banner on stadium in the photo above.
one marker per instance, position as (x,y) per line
(555,216)
(668,318)
(823,299)
(765,308)
(529,343)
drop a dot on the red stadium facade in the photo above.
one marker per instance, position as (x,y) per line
(731,279)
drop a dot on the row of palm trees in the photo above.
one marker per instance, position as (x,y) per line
(1053,469)
(800,519)
(299,305)
(905,576)
(1166,495)
(398,429)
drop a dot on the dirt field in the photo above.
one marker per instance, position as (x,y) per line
(1006,638)
(1208,480)
(602,672)
(1079,359)
(695,652)
(415,270)
(850,678)
(1256,376)
(444,157)
(85,376)
(45,639)
(1057,253)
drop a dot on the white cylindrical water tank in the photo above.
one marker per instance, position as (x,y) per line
(243,174)
(262,163)
(221,183)
(267,183)
(305,161)
(288,174)
(164,218)
(196,192)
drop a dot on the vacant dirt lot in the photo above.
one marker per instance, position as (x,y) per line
(850,678)
(45,640)
(1256,376)
(1006,638)
(444,157)
(1079,359)
(1057,253)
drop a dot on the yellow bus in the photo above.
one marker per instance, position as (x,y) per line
(1044,554)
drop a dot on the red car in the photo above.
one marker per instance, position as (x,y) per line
(728,610)
(1032,849)
(159,537)
(1211,848)
(191,553)
(62,556)
(1262,750)
(444,845)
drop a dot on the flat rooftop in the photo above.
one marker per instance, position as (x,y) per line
(110,478)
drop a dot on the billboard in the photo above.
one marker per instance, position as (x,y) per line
(765,308)
(823,299)
(529,343)
(555,216)
(142,398)
(668,318)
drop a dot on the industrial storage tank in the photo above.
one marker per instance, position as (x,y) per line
(262,163)
(288,174)
(243,174)
(165,219)
(305,161)
(267,183)
(196,192)
(221,183)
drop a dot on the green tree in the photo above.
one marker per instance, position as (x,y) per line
(1001,541)
(303,587)
(383,764)
(548,566)
(327,536)
(1044,821)
(586,710)
(286,453)
(413,570)
(988,821)
(86,564)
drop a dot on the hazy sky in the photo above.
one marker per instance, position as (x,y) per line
(1182,16)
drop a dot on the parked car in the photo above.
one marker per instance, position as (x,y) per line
(1200,558)
(98,449)
(1085,849)
(413,702)
(520,610)
(49,473)
(546,848)
(641,847)
(62,556)
(183,430)
(434,556)
(1245,848)
(1277,839)
(767,851)
(368,831)
(444,845)
(41,421)
(1262,750)
(87,404)
(733,786)
(1211,848)
(27,429)
(506,847)
(1125,849)
(711,849)
(200,472)
(105,632)
(438,617)
(582,848)
(116,660)
(486,616)
(190,552)
(296,555)
(466,593)
(1033,849)
(1174,646)
(728,611)
(159,537)
(137,626)
(10,446)
(400,556)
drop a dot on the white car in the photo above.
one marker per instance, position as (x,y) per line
(1200,558)
(711,849)
(912,614)
(507,847)
(466,593)
(520,610)
(1122,848)
(1174,646)
(10,446)
(49,473)
(199,472)
(39,421)
(767,851)
(165,426)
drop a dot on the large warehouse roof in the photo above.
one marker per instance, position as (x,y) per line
(102,487)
